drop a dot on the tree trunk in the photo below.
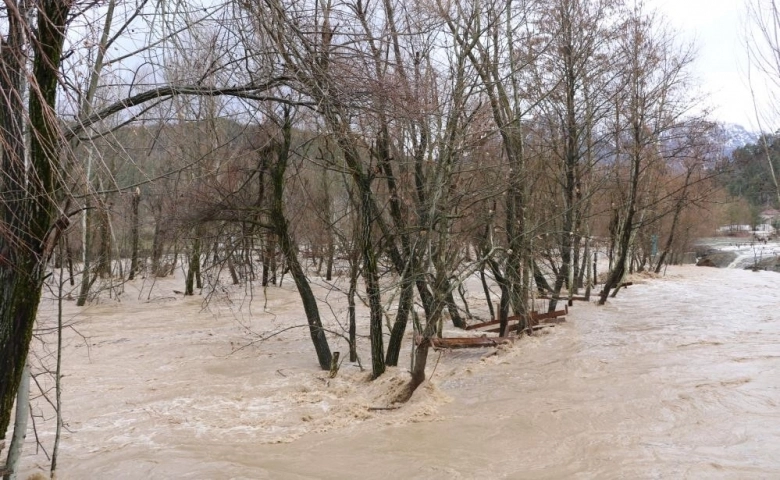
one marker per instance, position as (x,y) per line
(462,293)
(20,425)
(574,275)
(134,233)
(265,259)
(584,270)
(485,288)
(452,307)
(86,277)
(418,369)
(69,255)
(27,203)
(157,245)
(505,301)
(541,283)
(354,270)
(331,253)
(233,273)
(248,258)
(405,304)
(503,309)
(289,251)
(619,268)
(626,234)
(590,278)
(675,221)
(371,277)
(421,354)
(193,270)
(103,267)
(269,260)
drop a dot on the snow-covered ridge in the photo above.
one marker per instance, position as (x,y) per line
(733,136)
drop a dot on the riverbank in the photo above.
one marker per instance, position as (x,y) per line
(736,252)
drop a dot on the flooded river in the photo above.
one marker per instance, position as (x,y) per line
(678,377)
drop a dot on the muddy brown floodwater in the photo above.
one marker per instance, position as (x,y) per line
(678,377)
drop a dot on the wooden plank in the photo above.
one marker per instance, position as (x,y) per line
(544,325)
(510,326)
(478,342)
(496,330)
(536,318)
(533,327)
(575,297)
(553,321)
(465,342)
(548,315)
(482,325)
(513,318)
(509,329)
(540,317)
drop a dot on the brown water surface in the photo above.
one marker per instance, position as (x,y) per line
(678,377)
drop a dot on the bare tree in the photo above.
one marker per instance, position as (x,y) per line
(652,102)
(573,78)
(34,206)
(764,67)
(496,38)
(31,219)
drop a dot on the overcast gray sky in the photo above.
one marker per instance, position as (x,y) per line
(718,29)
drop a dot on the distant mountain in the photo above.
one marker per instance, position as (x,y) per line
(733,136)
